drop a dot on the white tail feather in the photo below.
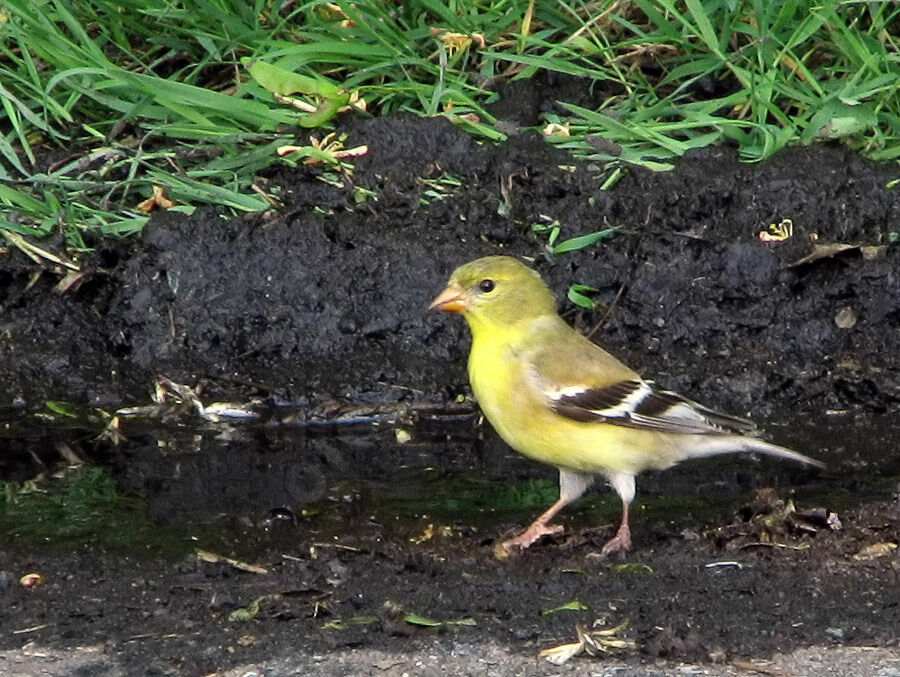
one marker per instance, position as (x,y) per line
(711,445)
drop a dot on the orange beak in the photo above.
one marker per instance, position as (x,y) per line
(452,298)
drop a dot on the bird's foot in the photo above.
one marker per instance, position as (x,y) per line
(621,542)
(531,534)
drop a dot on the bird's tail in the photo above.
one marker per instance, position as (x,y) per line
(710,445)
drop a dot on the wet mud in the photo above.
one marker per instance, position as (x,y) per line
(230,547)
(313,317)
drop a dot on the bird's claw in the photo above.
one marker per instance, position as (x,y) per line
(532,534)
(621,542)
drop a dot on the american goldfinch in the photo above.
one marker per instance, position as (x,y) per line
(558,398)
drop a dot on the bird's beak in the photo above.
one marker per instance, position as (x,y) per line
(452,298)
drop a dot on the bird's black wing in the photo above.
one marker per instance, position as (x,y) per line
(641,404)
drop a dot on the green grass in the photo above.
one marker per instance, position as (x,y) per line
(103,100)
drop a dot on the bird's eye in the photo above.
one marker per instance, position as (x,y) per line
(486,285)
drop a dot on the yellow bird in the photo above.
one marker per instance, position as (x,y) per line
(558,398)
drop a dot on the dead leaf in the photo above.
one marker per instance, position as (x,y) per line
(556,129)
(500,552)
(31,580)
(430,532)
(593,642)
(212,558)
(574,605)
(558,655)
(871,252)
(249,612)
(70,281)
(35,253)
(875,551)
(159,200)
(823,251)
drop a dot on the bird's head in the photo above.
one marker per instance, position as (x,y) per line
(496,290)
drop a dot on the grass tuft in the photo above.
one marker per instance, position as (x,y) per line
(102,101)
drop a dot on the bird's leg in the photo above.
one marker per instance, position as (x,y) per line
(622,540)
(623,483)
(539,527)
(571,486)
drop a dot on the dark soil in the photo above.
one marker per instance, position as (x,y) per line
(321,306)
(327,300)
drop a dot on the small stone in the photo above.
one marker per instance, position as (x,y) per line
(845,318)
(717,655)
(221,600)
(835,633)
(689,534)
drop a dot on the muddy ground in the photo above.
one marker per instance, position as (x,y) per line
(316,312)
